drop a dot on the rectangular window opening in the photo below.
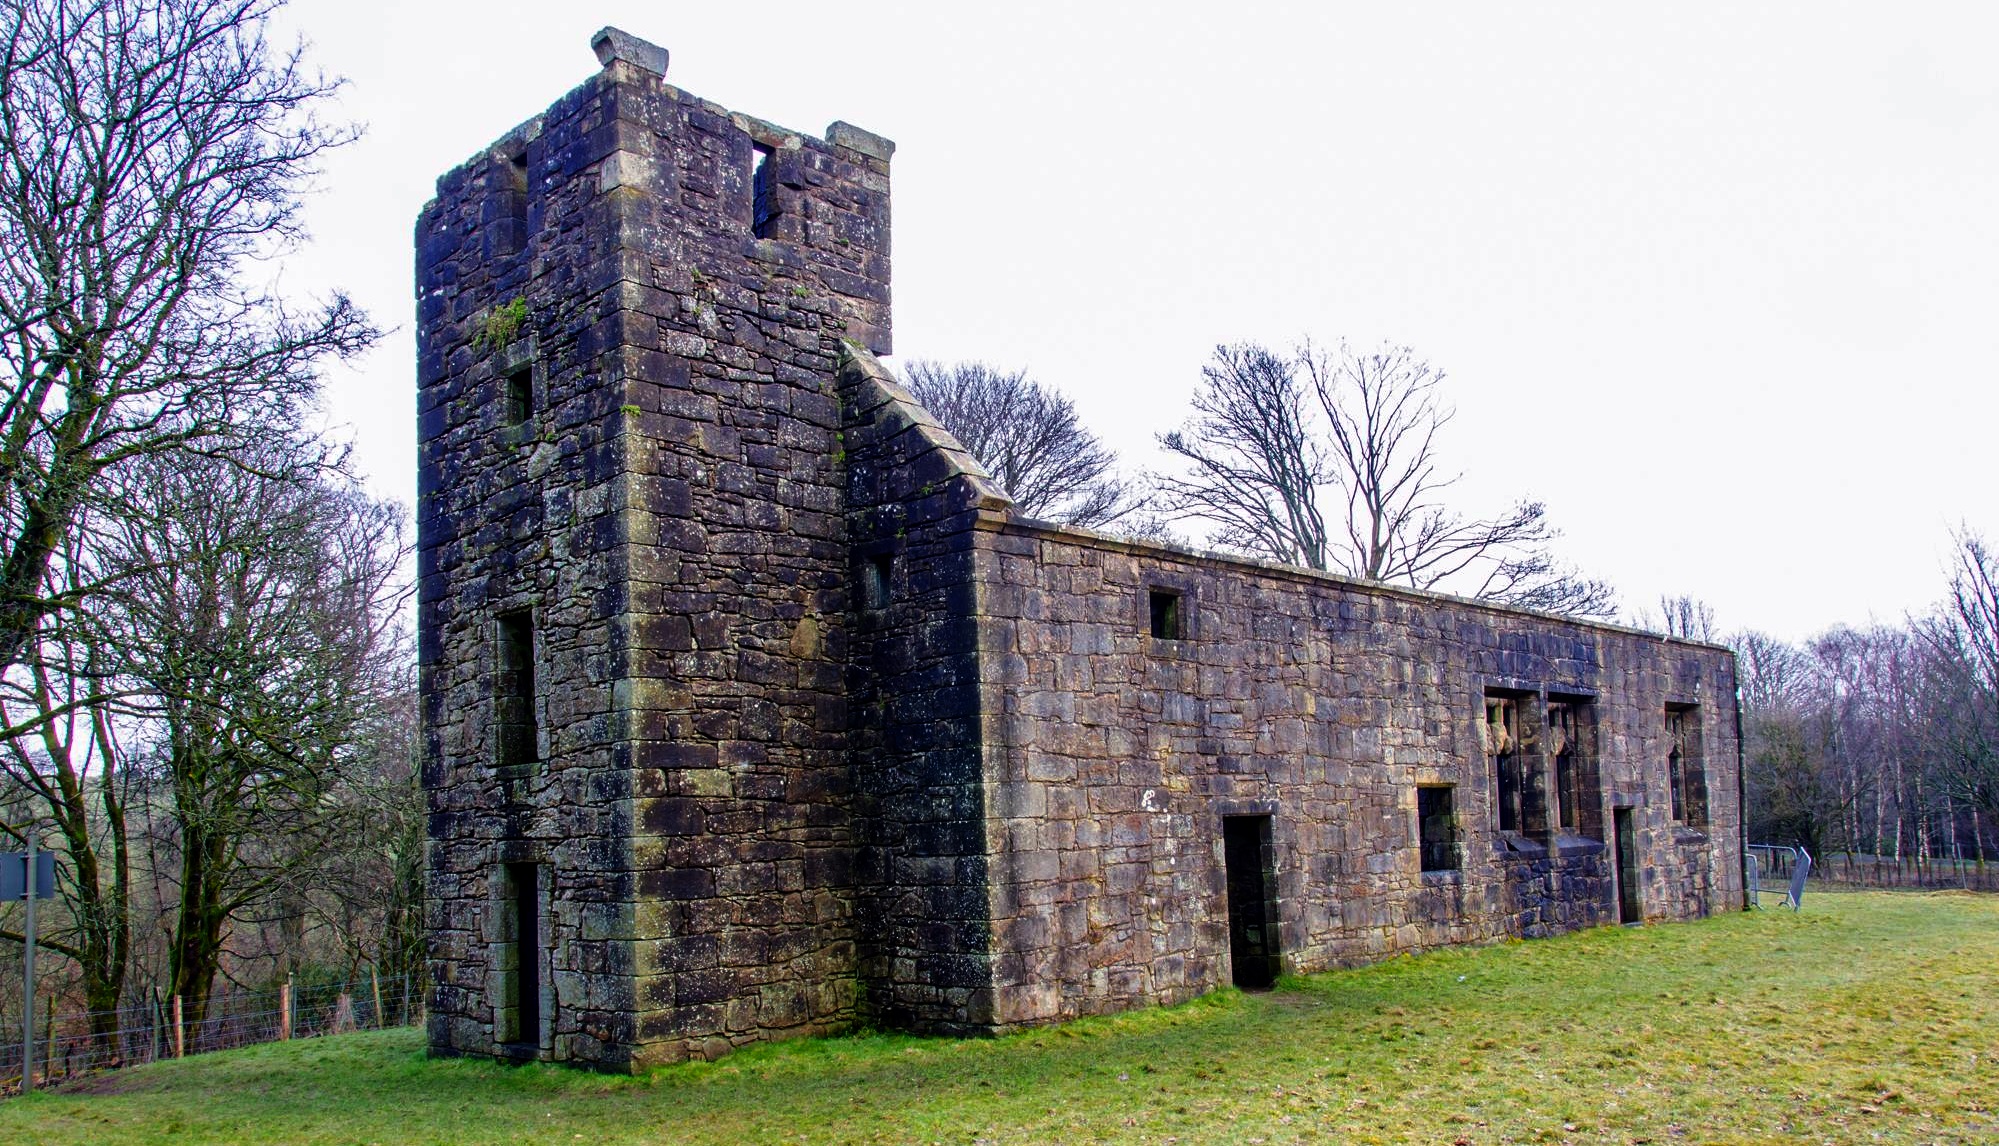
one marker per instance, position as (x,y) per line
(1686,771)
(1570,743)
(877,580)
(517,737)
(1166,615)
(520,396)
(508,216)
(763,193)
(1437,827)
(1500,732)
(523,954)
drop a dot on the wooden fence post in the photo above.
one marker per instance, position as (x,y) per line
(180,1039)
(285,1010)
(49,1055)
(376,981)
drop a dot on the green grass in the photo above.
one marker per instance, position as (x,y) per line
(1868,1017)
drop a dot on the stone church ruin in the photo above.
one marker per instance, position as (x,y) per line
(750,709)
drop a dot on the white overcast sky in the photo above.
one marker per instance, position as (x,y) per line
(1719,286)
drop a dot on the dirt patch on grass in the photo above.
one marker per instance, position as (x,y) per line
(133,1081)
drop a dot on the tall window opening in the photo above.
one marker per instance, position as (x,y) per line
(1570,746)
(1686,772)
(1437,827)
(517,739)
(521,1021)
(763,191)
(1501,733)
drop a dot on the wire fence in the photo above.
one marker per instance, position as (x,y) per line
(71,1043)
(1851,869)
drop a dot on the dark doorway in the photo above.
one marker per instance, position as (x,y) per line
(1628,907)
(526,1001)
(1252,890)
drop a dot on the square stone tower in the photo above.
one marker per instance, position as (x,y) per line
(633,561)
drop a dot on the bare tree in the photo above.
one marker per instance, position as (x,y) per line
(1029,439)
(1687,617)
(1255,468)
(261,618)
(1962,688)
(1276,438)
(1769,672)
(150,152)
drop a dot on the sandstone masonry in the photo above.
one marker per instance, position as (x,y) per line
(751,709)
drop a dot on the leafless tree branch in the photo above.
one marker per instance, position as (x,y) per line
(1029,439)
(151,152)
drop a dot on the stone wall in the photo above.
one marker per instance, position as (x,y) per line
(917,736)
(1322,703)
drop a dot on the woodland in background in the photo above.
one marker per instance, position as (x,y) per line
(1876,742)
(220,750)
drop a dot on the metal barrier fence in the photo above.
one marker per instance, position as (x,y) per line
(1784,866)
(72,1043)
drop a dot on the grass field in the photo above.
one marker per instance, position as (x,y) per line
(1869,1017)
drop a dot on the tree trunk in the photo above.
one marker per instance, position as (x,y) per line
(198,921)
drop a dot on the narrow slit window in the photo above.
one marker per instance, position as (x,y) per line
(509,215)
(520,396)
(1565,745)
(1437,827)
(517,737)
(1501,733)
(1676,776)
(763,193)
(1166,619)
(877,574)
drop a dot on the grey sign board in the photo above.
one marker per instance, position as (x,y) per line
(14,875)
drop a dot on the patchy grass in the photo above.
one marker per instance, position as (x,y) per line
(1869,1017)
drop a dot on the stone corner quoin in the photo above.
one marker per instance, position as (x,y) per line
(750,709)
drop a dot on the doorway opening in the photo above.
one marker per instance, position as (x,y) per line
(523,1002)
(1252,892)
(1629,909)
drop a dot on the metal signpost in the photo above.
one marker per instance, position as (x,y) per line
(16,884)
